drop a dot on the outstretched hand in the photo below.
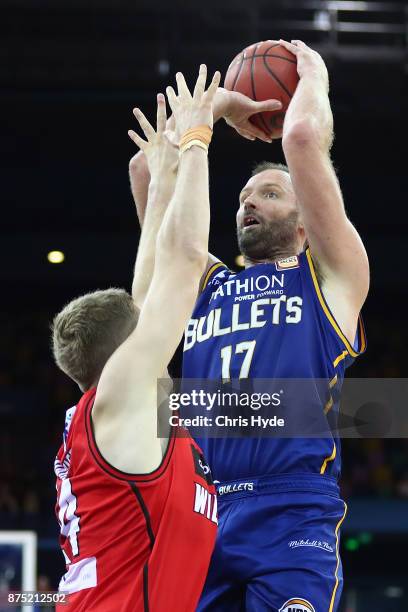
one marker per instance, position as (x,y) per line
(190,111)
(160,148)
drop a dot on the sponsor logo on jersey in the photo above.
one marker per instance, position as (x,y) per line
(61,468)
(219,278)
(205,503)
(313,543)
(296,604)
(228,320)
(252,285)
(233,488)
(288,263)
(201,466)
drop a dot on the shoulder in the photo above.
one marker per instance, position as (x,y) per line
(216,274)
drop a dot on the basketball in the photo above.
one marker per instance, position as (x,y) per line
(263,71)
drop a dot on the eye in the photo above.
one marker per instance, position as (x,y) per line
(271,195)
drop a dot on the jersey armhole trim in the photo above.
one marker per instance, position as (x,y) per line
(330,317)
(210,272)
(110,469)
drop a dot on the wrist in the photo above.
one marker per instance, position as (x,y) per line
(317,78)
(194,149)
(199,136)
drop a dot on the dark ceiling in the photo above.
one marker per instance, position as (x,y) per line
(73,70)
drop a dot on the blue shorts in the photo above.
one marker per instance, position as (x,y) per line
(277,547)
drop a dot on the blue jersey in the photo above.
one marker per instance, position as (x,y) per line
(269,321)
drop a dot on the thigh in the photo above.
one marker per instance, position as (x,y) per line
(221,596)
(224,589)
(304,572)
(302,590)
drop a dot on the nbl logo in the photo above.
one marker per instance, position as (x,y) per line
(297,605)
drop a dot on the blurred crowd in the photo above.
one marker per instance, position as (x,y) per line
(34,396)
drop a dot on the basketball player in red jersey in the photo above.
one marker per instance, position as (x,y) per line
(137,512)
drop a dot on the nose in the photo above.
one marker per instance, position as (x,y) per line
(249,205)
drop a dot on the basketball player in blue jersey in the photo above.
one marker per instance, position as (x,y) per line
(292,313)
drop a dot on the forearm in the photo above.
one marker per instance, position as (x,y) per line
(139,177)
(185,228)
(309,116)
(160,192)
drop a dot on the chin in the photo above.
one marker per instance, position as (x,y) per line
(253,251)
(252,245)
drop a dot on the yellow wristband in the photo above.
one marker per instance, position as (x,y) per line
(201,132)
(192,143)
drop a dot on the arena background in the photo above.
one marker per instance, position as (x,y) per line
(71,73)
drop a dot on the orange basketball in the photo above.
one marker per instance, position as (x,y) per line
(263,71)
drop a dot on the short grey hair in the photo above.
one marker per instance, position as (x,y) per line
(267,165)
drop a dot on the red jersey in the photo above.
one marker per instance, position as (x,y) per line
(132,542)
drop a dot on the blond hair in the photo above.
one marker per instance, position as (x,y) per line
(88,330)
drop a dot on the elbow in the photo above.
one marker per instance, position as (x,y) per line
(306,134)
(301,133)
(138,165)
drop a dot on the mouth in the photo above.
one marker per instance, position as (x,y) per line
(249,221)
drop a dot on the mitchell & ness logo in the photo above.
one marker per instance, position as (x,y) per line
(313,543)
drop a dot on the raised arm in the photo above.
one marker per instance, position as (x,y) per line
(307,137)
(235,109)
(182,243)
(126,401)
(161,155)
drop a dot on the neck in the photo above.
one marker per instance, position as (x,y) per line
(272,258)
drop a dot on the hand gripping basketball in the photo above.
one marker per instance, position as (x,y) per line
(309,62)
(192,111)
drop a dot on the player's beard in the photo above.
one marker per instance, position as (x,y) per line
(269,240)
